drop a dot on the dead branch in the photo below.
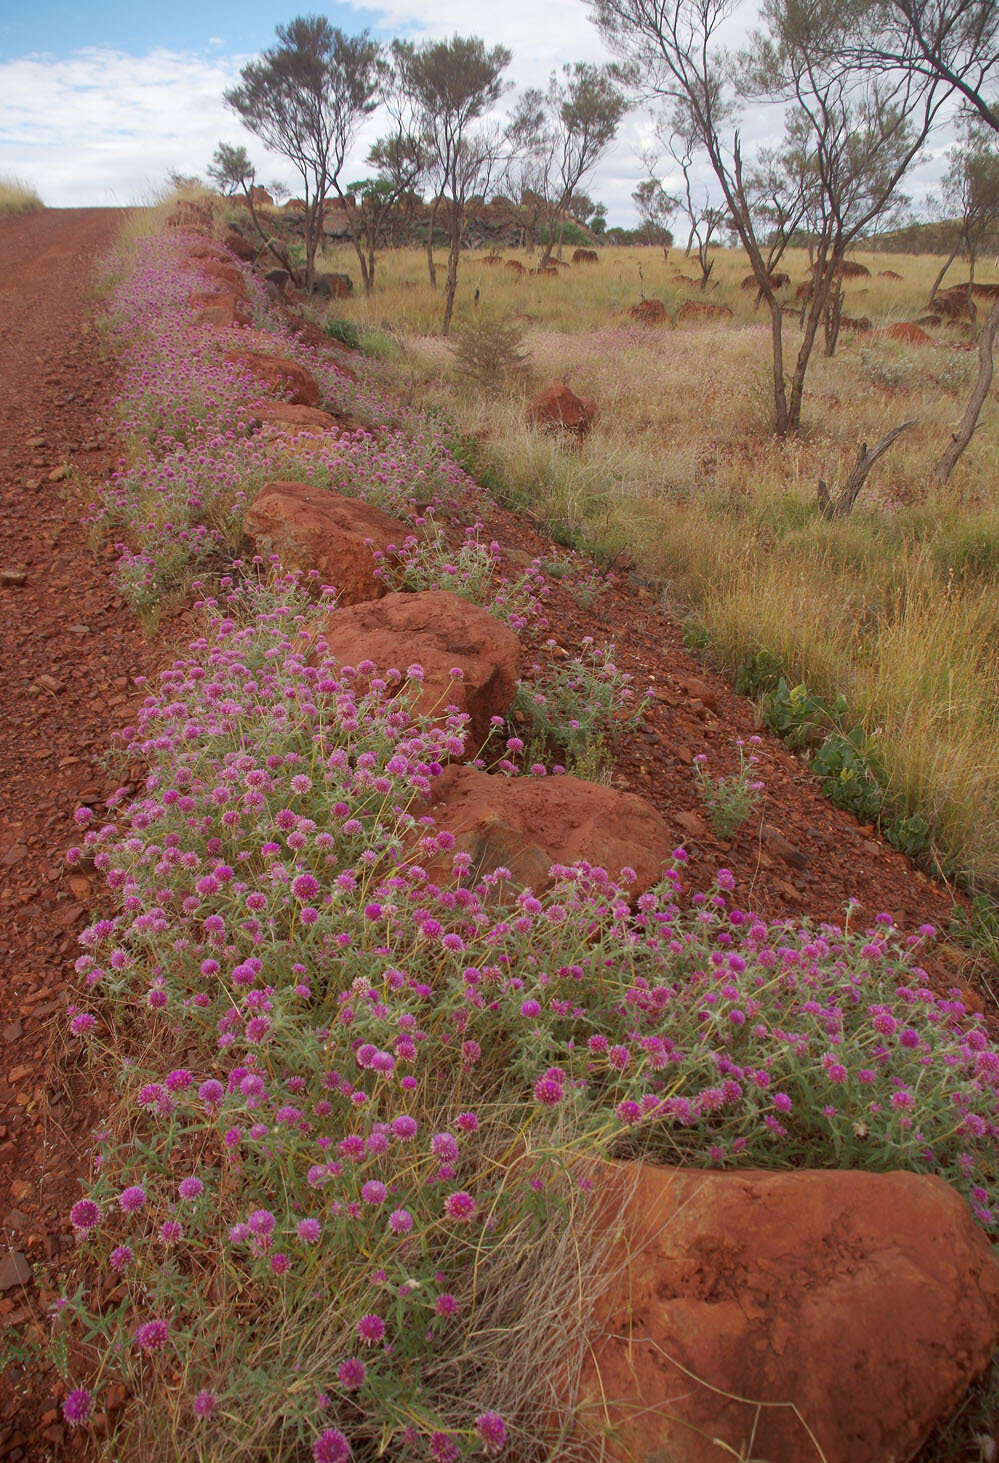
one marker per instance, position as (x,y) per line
(858,474)
(969,422)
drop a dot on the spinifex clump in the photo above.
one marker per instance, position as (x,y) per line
(352,1099)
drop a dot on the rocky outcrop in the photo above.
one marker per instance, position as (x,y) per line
(440,633)
(840,1311)
(285,379)
(526,824)
(311,528)
(294,421)
(560,411)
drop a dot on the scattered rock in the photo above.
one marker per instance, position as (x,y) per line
(780,845)
(311,528)
(239,246)
(13,577)
(59,474)
(14,1270)
(559,410)
(438,631)
(226,274)
(49,683)
(692,823)
(333,286)
(863,1304)
(702,310)
(526,824)
(908,334)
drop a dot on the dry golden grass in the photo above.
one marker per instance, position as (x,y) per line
(895,607)
(16,196)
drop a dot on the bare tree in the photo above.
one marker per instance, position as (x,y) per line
(452,85)
(971,197)
(655,208)
(565,131)
(304,99)
(704,216)
(232,172)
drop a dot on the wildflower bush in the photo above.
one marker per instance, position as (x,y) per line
(290,1204)
(195,460)
(579,708)
(338,1208)
(426,561)
(730,801)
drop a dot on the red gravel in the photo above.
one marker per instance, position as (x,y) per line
(71,651)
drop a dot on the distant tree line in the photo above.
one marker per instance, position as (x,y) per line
(858,88)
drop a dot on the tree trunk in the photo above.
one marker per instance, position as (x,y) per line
(966,430)
(777,345)
(431,266)
(832,317)
(454,253)
(356,240)
(939,279)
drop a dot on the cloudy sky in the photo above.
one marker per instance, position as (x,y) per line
(99,101)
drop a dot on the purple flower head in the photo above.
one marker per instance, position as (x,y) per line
(261,1223)
(373,1192)
(132,1199)
(190,1188)
(121,1256)
(459,1205)
(400,1221)
(78,1406)
(205,1403)
(492,1430)
(351,1374)
(309,1231)
(85,1215)
(331,1447)
(152,1336)
(370,1329)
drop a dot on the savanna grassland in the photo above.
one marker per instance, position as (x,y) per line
(893,608)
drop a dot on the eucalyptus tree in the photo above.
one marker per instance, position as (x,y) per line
(565,131)
(452,85)
(305,99)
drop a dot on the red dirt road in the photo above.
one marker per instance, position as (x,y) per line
(68,650)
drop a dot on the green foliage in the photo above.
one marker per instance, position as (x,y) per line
(730,800)
(579,709)
(977,927)
(345,331)
(488,354)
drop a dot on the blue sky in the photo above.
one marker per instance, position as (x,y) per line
(100,100)
(57,28)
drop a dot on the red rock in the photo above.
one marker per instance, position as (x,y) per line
(226,274)
(908,334)
(240,246)
(436,630)
(851,270)
(293,420)
(559,410)
(529,823)
(585,256)
(279,375)
(311,528)
(649,312)
(867,1302)
(702,310)
(222,309)
(888,274)
(514,266)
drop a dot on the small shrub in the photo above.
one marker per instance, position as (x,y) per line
(487,353)
(345,331)
(579,709)
(729,800)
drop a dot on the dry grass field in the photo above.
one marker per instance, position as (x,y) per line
(896,607)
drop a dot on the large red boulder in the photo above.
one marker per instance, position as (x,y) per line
(559,410)
(238,244)
(226,275)
(277,375)
(439,632)
(219,309)
(312,528)
(526,824)
(837,1311)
